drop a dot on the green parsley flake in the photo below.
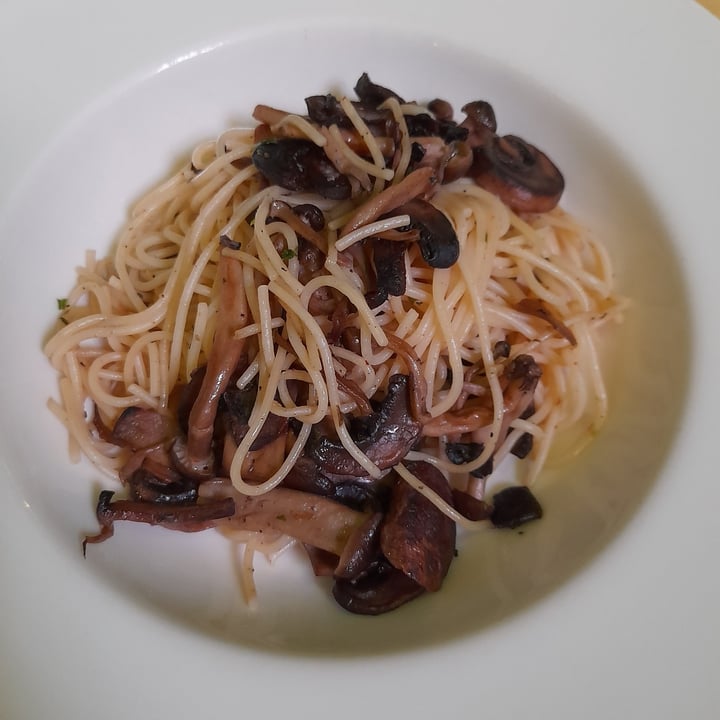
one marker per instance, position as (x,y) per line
(62,303)
(287,254)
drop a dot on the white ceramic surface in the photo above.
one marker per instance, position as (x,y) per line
(606,606)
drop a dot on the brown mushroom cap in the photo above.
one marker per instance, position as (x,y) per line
(521,175)
(301,166)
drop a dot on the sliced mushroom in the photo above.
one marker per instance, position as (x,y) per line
(307,477)
(418,182)
(311,215)
(139,428)
(416,537)
(183,517)
(392,432)
(538,308)
(326,110)
(238,405)
(515,506)
(306,222)
(380,589)
(300,165)
(521,175)
(148,487)
(470,507)
(441,109)
(389,262)
(480,122)
(195,457)
(458,161)
(461,453)
(524,445)
(311,519)
(438,241)
(361,549)
(520,378)
(373,94)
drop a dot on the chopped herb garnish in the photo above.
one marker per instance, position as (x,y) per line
(281,517)
(287,254)
(62,303)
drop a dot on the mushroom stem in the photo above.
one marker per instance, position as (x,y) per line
(222,362)
(418,182)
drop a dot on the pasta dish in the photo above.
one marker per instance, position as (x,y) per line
(329,331)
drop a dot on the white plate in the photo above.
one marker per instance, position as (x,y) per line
(605,606)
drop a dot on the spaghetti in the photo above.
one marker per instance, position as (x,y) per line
(364,273)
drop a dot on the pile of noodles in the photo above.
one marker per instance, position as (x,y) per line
(139,322)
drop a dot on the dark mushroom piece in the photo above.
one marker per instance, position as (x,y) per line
(418,182)
(457,162)
(425,125)
(307,222)
(471,507)
(418,384)
(306,476)
(515,506)
(416,537)
(536,307)
(520,378)
(438,241)
(195,457)
(380,589)
(325,110)
(238,406)
(139,428)
(521,175)
(390,434)
(389,262)
(145,486)
(441,109)
(480,122)
(300,165)
(371,93)
(311,519)
(174,516)
(311,215)
(524,445)
(361,549)
(461,453)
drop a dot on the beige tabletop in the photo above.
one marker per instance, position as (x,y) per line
(712,5)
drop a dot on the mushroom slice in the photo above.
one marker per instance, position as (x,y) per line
(311,519)
(361,549)
(175,516)
(391,433)
(521,175)
(418,182)
(146,486)
(416,537)
(140,428)
(389,262)
(373,94)
(515,506)
(380,589)
(300,165)
(480,122)
(460,453)
(438,241)
(470,506)
(536,307)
